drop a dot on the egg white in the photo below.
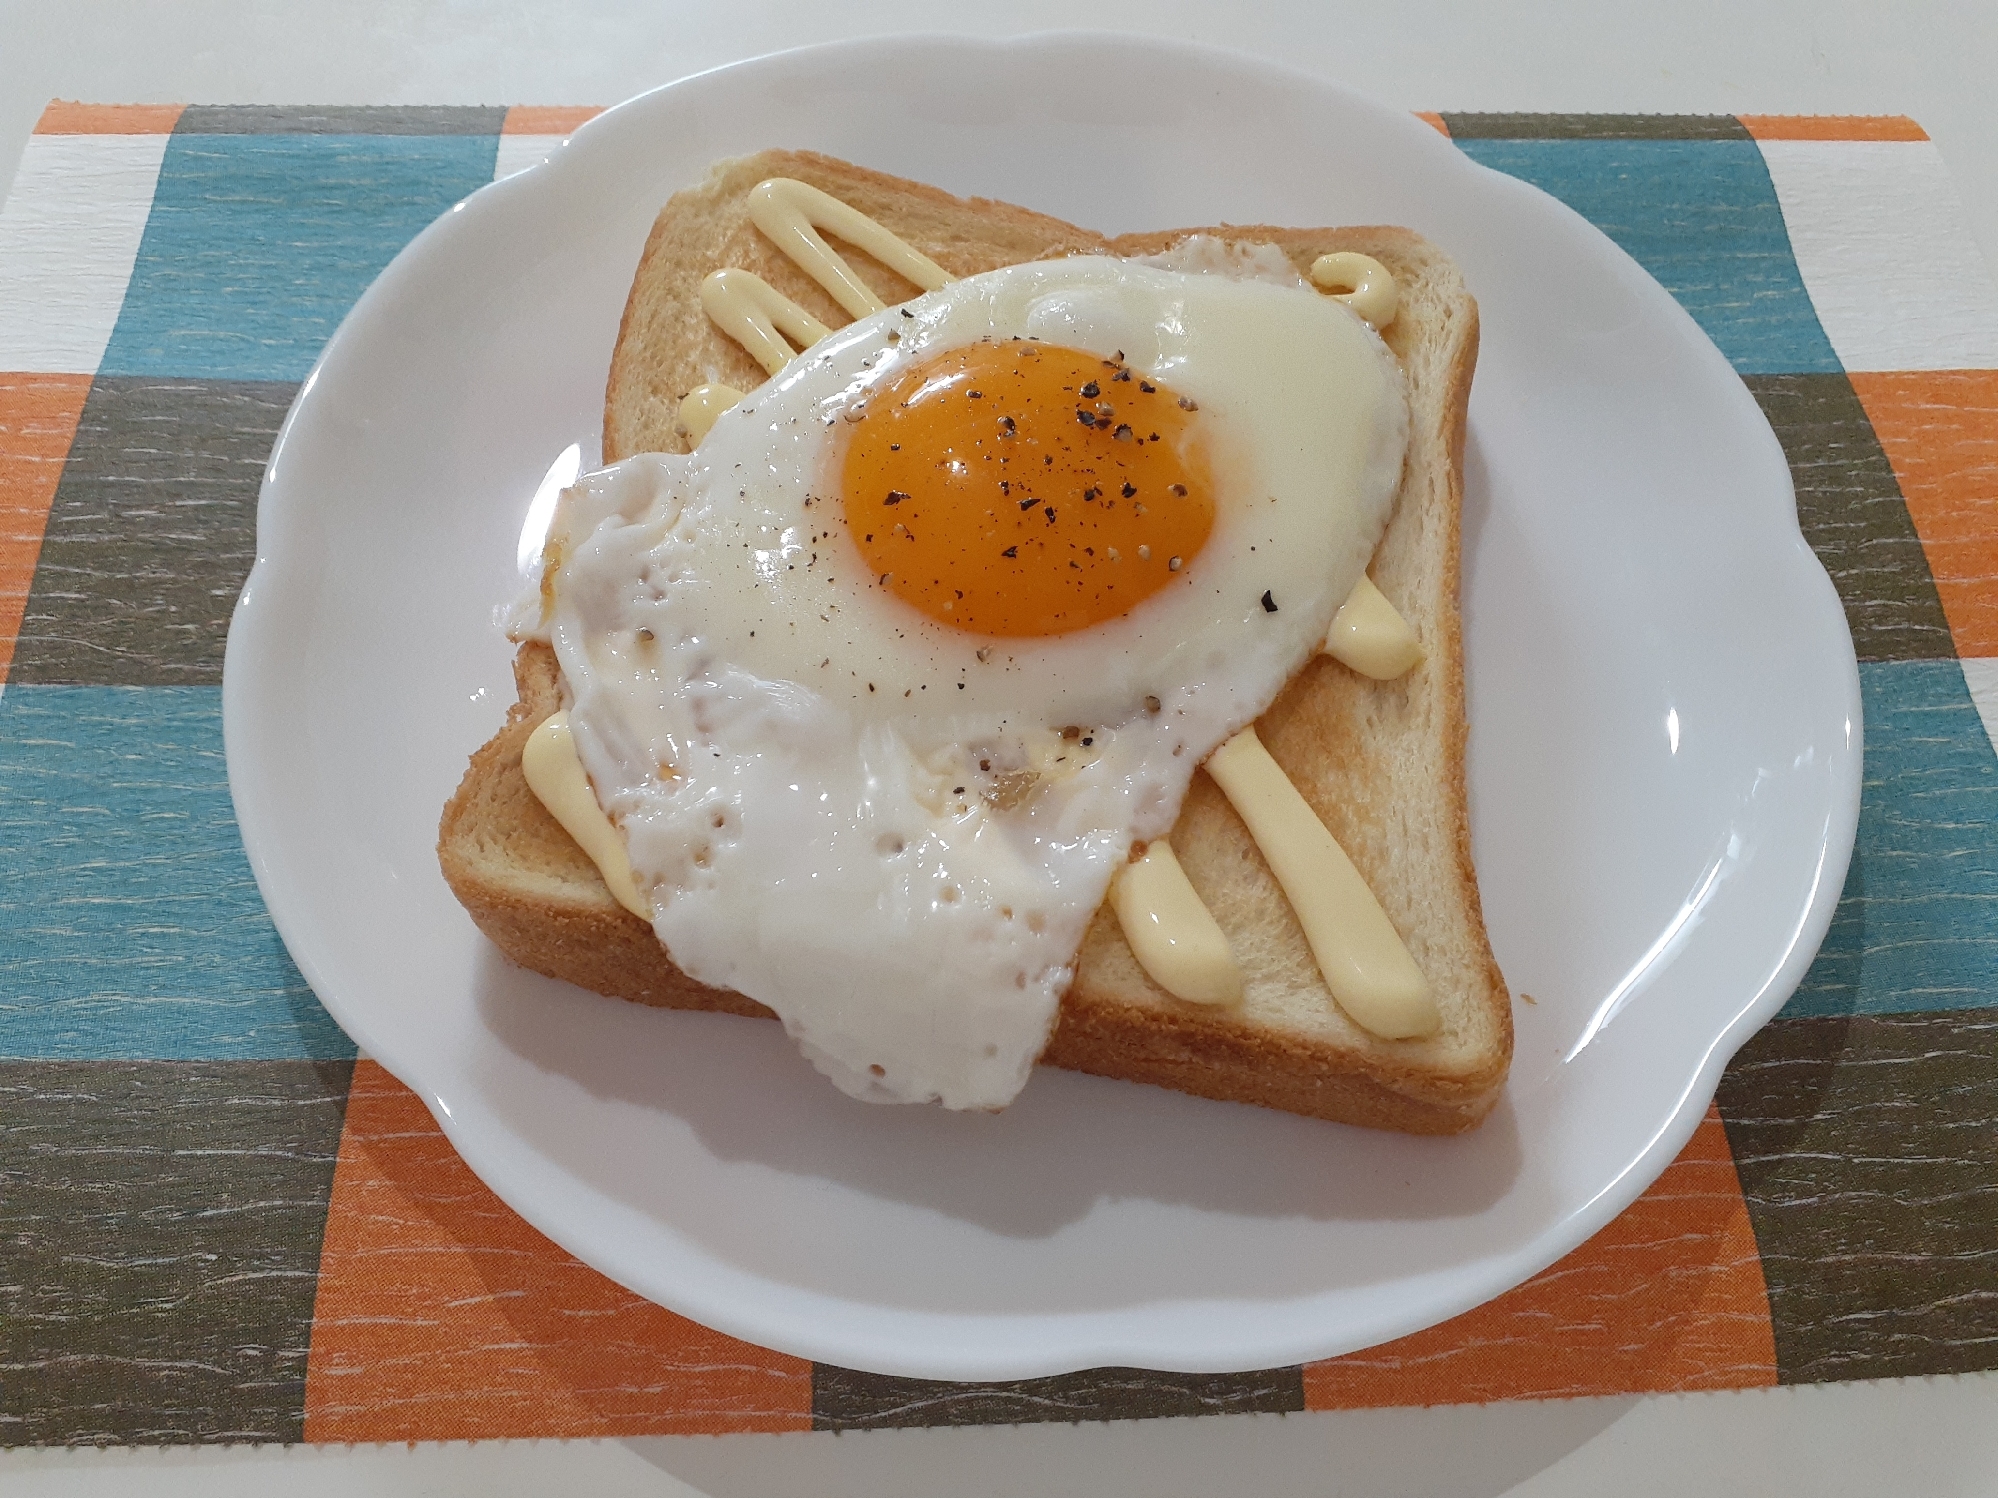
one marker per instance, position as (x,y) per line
(875,824)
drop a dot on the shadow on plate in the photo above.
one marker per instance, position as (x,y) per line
(1068,1142)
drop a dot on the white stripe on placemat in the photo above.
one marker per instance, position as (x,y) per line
(69,234)
(1981,676)
(519,152)
(1879,235)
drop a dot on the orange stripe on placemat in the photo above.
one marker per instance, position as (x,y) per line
(442,1316)
(1831,127)
(1940,431)
(65,117)
(548,119)
(1669,1297)
(1433,121)
(38,416)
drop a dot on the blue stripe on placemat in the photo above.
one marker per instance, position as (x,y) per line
(130,925)
(1917,926)
(258,244)
(1702,217)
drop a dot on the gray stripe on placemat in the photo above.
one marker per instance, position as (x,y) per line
(340,119)
(1850,507)
(1864,1145)
(843,1399)
(1594,126)
(160,1229)
(151,533)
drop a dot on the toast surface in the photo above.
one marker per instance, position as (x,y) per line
(1381,762)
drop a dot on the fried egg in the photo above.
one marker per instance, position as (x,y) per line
(885,680)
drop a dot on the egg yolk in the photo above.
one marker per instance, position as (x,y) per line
(1019,488)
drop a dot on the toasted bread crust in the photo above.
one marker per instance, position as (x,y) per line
(1382,763)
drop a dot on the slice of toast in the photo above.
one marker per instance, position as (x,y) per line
(1381,762)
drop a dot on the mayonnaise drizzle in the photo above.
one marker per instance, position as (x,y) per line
(555,775)
(759,317)
(1171,931)
(700,406)
(1362,283)
(1358,950)
(792,213)
(1369,634)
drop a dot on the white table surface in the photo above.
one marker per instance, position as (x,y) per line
(1931,59)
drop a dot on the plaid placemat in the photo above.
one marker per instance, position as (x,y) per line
(218,1224)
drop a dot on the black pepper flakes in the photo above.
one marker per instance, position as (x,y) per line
(1123,432)
(1087,418)
(1269,603)
(1148,387)
(1188,405)
(1090,391)
(1028,503)
(895,497)
(1130,488)
(1011,551)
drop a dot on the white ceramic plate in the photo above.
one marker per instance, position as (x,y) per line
(1664,755)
